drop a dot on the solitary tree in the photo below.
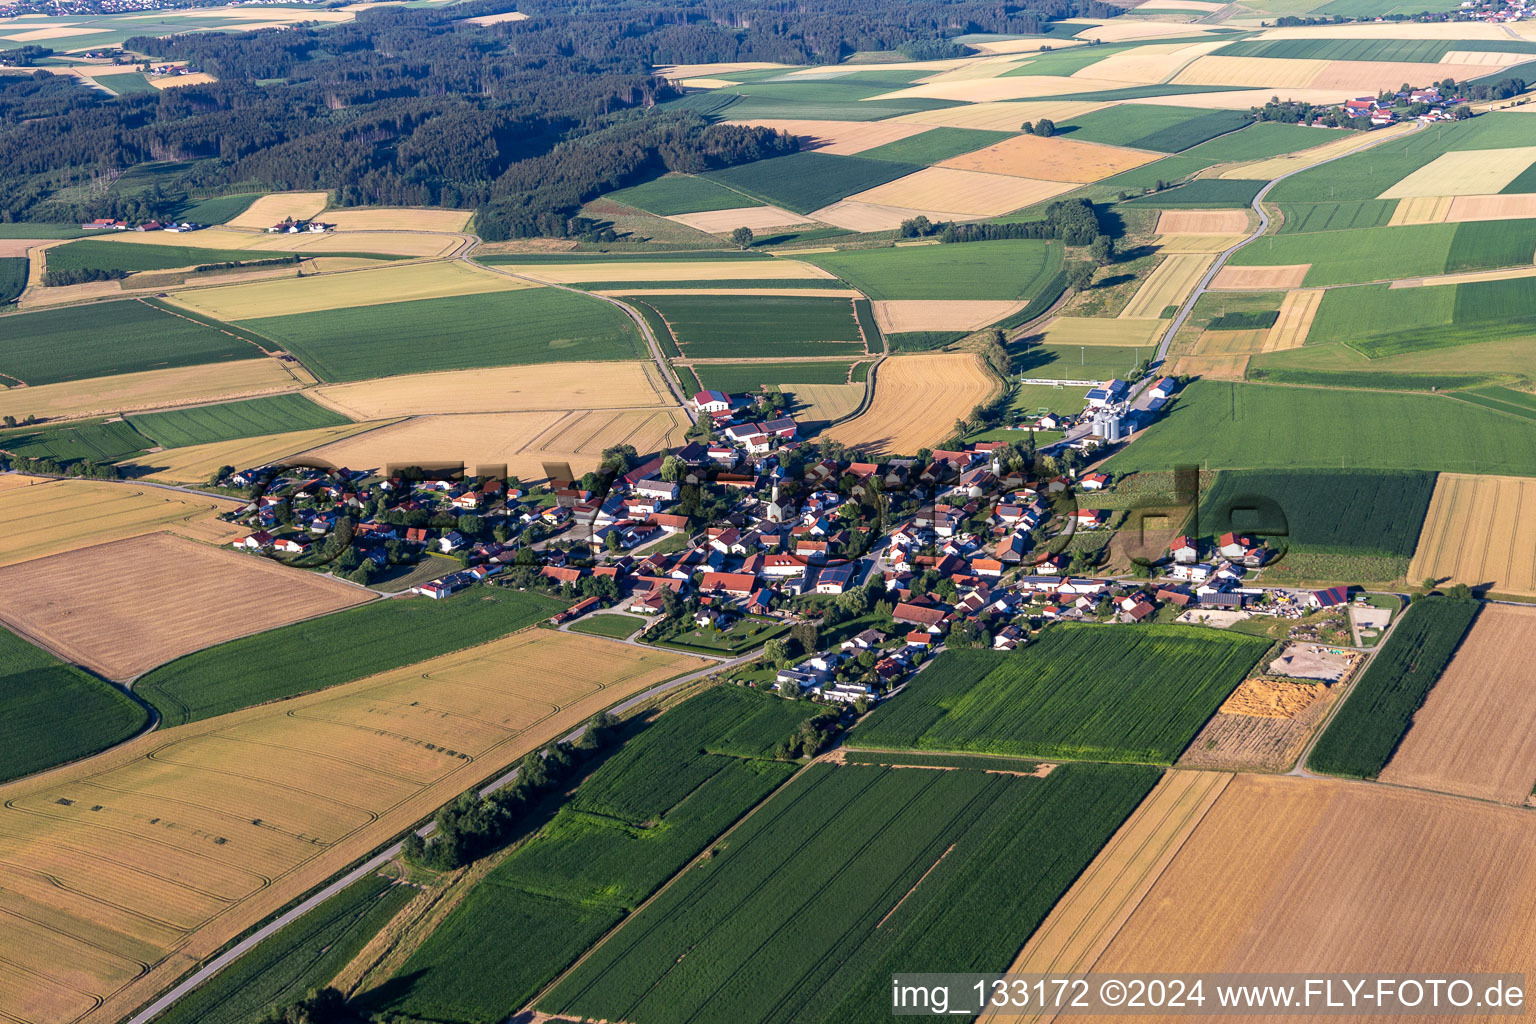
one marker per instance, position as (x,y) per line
(742,236)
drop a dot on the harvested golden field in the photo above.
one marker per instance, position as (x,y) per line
(124,607)
(1219,367)
(132,866)
(1170,245)
(1481,58)
(1179,5)
(1387,30)
(54,32)
(1481,531)
(195,463)
(744,289)
(1054,159)
(1297,311)
(668,270)
(398,218)
(11,248)
(897,315)
(1014,46)
(1516,206)
(46,518)
(1243,99)
(1130,28)
(917,398)
(557,386)
(1288,874)
(1332,143)
(1265,697)
(1464,278)
(857,216)
(1467,172)
(1262,743)
(675,71)
(1476,733)
(811,403)
(11,481)
(1091,330)
(398,283)
(149,389)
(960,191)
(1420,210)
(1260,279)
(1149,65)
(522,441)
(497,19)
(840,138)
(970,69)
(278,207)
(1000,117)
(1254,72)
(758,218)
(181,81)
(388,243)
(1370,76)
(1202,222)
(1089,915)
(1168,285)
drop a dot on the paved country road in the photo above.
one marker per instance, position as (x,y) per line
(200,977)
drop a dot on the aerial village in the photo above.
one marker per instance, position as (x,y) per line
(803,568)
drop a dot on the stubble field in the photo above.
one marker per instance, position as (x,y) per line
(41,517)
(917,398)
(196,463)
(965,192)
(136,864)
(400,283)
(1476,733)
(500,389)
(1202,222)
(1481,531)
(124,607)
(1054,159)
(279,206)
(151,389)
(1168,285)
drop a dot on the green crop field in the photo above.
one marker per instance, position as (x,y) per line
(715,326)
(105,338)
(218,209)
(1213,308)
(1256,426)
(1381,380)
(1136,92)
(1481,311)
(1106,693)
(1167,170)
(803,182)
(90,440)
(1321,511)
(1067,61)
(738,377)
(334,649)
(1180,137)
(1162,129)
(1428,51)
(1490,244)
(96,254)
(1340,216)
(694,255)
(229,420)
(845,98)
(935,144)
(967,270)
(1078,362)
(1354,257)
(1516,403)
(1206,193)
(52,713)
(1353,313)
(638,819)
(1244,320)
(979,762)
(680,193)
(43,229)
(533,325)
(1378,711)
(815,900)
(13,278)
(303,956)
(1260,141)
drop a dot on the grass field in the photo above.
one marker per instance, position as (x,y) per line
(615,626)
(649,809)
(1321,511)
(305,955)
(734,378)
(1455,316)
(216,210)
(934,145)
(1360,255)
(41,517)
(803,182)
(1060,698)
(53,713)
(94,254)
(951,869)
(332,650)
(13,278)
(917,398)
(121,608)
(1077,362)
(1379,709)
(708,326)
(676,194)
(204,423)
(90,441)
(972,270)
(535,325)
(1338,216)
(296,792)
(107,338)
(1253,426)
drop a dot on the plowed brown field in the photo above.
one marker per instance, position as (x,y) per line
(1476,733)
(124,607)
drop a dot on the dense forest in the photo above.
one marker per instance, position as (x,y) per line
(522,121)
